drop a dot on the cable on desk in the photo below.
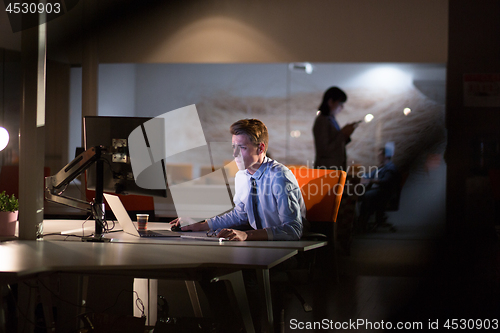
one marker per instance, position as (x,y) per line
(105,226)
(88,309)
(83,225)
(59,234)
(108,229)
(63,300)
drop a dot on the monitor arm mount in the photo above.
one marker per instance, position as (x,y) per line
(55,186)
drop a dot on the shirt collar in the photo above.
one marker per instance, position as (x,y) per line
(261,170)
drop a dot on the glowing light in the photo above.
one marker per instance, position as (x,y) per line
(4,138)
(407,111)
(317,113)
(385,77)
(368,118)
(295,134)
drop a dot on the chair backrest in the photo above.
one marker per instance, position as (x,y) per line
(322,191)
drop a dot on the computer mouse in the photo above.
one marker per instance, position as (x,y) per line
(176,227)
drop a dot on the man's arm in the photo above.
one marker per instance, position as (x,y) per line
(237,216)
(190,224)
(250,235)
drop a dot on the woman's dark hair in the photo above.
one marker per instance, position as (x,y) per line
(333,93)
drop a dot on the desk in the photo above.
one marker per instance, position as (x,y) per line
(56,226)
(75,226)
(28,259)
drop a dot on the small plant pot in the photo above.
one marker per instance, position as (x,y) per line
(8,222)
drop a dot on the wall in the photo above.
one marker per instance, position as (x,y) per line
(281,31)
(10,98)
(286,99)
(222,31)
(473,130)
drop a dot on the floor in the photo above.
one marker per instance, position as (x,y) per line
(391,280)
(416,276)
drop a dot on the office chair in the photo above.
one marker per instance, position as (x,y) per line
(322,192)
(390,205)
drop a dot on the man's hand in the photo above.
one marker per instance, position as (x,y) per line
(190,224)
(232,234)
(237,235)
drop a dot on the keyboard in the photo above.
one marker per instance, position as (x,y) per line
(205,238)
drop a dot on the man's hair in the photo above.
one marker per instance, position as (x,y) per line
(335,94)
(254,129)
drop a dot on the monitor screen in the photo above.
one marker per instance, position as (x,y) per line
(112,133)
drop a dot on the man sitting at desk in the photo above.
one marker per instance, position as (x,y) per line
(267,196)
(381,185)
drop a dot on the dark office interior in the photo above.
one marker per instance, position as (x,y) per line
(440,262)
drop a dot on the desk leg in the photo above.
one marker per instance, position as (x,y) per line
(193,296)
(240,294)
(147,291)
(265,295)
(46,298)
(26,307)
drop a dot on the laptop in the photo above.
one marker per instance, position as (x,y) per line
(126,223)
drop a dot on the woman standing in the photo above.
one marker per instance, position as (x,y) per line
(329,139)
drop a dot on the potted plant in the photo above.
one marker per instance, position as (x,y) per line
(9,206)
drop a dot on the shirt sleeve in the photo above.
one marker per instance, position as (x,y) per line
(288,200)
(238,215)
(233,218)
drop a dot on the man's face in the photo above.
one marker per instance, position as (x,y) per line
(246,154)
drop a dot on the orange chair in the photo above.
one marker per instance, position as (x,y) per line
(322,192)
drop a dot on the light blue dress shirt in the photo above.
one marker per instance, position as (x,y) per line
(280,207)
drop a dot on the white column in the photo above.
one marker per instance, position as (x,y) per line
(32,133)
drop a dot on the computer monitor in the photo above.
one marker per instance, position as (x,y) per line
(112,134)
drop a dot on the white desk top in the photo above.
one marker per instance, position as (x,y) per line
(24,258)
(75,226)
